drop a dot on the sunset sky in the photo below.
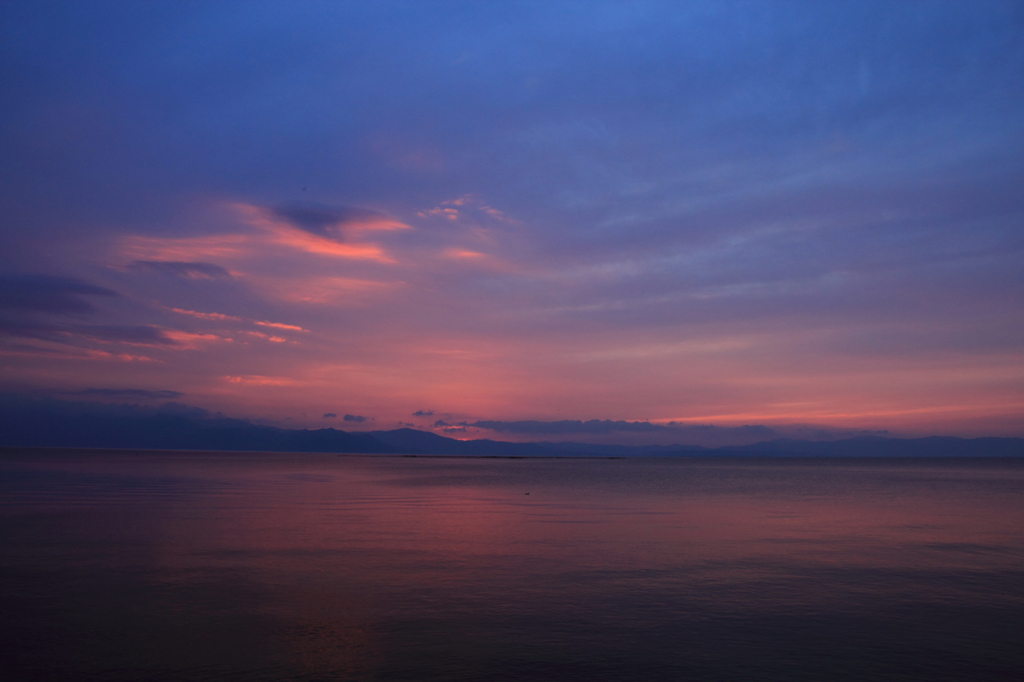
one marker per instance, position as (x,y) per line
(465,215)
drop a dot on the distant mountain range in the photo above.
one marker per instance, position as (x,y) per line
(85,425)
(412,441)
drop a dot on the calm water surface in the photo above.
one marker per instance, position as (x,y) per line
(200,566)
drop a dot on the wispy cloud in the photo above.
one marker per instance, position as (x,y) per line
(258,380)
(228,247)
(208,316)
(77,334)
(338,240)
(220,317)
(280,325)
(182,269)
(192,341)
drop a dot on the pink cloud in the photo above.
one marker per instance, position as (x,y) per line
(258,380)
(191,341)
(233,318)
(120,357)
(225,246)
(279,325)
(449,213)
(279,231)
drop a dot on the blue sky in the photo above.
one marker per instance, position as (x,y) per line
(707,213)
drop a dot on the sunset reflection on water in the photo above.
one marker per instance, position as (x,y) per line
(199,565)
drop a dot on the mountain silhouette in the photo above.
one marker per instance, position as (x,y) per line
(67,424)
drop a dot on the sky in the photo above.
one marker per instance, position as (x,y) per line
(615,221)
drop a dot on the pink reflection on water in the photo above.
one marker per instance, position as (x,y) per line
(341,553)
(617,516)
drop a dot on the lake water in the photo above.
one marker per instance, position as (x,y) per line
(232,566)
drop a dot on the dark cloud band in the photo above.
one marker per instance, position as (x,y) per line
(318,218)
(128,393)
(47,294)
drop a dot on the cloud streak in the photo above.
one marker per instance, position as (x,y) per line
(220,317)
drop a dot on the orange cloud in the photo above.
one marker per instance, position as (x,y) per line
(257,380)
(375,223)
(829,415)
(272,339)
(480,260)
(463,253)
(281,326)
(271,233)
(283,233)
(232,318)
(311,243)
